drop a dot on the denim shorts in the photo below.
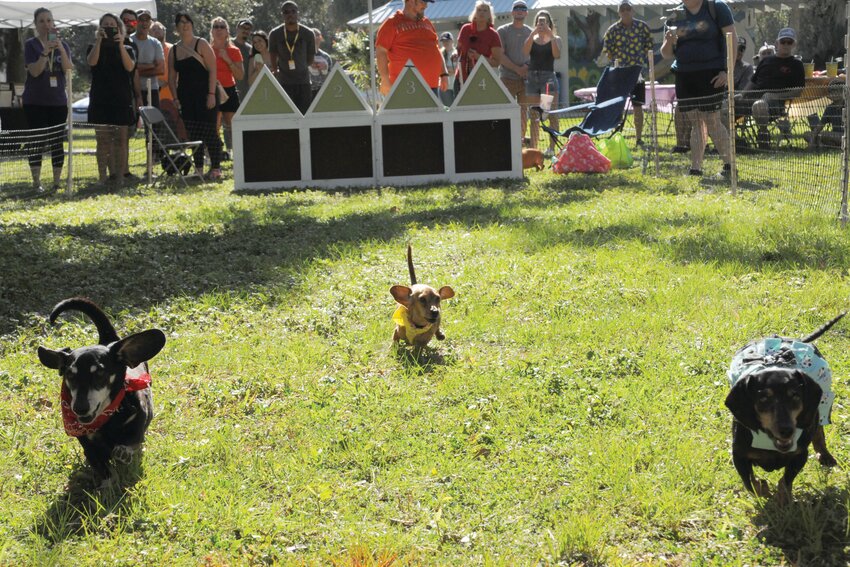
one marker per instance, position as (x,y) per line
(535,83)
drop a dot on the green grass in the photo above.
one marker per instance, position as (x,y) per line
(574,415)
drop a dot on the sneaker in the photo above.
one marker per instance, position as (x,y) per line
(214,175)
(681,149)
(726,172)
(695,172)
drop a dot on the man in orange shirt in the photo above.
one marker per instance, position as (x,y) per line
(408,34)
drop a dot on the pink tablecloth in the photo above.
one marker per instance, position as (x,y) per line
(664,94)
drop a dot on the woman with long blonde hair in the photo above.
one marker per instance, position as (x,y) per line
(477,39)
(229,69)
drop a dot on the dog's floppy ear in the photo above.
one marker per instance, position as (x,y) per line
(812,394)
(401,293)
(742,405)
(139,347)
(55,359)
(446,292)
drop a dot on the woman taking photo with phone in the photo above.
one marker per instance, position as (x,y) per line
(45,101)
(111,97)
(543,46)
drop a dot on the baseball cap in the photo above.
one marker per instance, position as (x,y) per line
(787,33)
(742,41)
(245,21)
(445,36)
(519,4)
(143,12)
(625,3)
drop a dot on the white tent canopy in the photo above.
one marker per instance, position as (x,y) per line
(18,13)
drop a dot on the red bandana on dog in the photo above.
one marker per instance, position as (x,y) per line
(134,380)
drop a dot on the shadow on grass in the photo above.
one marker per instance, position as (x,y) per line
(811,531)
(84,507)
(420,360)
(238,250)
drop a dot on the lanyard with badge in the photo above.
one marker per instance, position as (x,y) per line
(54,80)
(291,48)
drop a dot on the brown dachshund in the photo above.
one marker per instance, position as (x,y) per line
(418,315)
(533,158)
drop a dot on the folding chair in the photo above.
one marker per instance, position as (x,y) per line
(177,156)
(607,114)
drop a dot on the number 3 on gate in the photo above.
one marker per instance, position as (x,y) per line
(411,87)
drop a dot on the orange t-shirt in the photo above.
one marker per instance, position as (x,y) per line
(416,40)
(223,71)
(164,91)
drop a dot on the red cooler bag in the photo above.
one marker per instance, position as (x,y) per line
(581,156)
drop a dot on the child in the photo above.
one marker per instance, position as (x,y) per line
(833,115)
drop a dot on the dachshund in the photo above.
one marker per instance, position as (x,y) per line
(417,318)
(106,395)
(780,399)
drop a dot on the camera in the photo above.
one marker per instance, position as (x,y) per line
(110,32)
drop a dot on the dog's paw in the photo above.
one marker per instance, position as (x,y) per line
(124,454)
(826,459)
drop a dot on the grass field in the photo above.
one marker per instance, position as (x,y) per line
(574,415)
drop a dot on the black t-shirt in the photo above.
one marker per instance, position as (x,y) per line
(778,73)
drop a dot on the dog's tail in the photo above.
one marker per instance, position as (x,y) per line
(822,330)
(410,265)
(106,332)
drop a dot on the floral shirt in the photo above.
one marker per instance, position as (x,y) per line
(628,45)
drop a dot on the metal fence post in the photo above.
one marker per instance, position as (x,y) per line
(730,89)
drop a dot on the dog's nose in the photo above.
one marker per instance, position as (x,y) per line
(786,432)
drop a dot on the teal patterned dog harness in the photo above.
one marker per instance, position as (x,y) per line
(778,352)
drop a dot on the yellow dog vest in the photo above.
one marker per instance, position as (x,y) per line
(411,331)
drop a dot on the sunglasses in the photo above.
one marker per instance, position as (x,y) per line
(219,27)
(520,9)
(290,11)
(786,42)
(183,22)
(129,20)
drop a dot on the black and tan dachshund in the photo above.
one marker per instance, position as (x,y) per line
(780,399)
(106,396)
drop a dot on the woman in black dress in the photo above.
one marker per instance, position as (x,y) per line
(192,76)
(111,97)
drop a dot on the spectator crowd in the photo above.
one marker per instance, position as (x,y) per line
(198,82)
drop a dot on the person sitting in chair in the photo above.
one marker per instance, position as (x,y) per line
(777,78)
(833,116)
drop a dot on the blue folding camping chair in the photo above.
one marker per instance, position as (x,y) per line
(607,114)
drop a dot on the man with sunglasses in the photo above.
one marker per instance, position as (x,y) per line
(242,40)
(743,71)
(626,43)
(151,58)
(513,67)
(777,78)
(292,47)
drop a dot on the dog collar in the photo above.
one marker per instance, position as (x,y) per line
(135,379)
(401,317)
